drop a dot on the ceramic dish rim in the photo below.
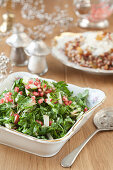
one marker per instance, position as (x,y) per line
(72,128)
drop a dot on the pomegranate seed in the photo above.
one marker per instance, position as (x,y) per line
(10,100)
(9,93)
(27,86)
(85,109)
(41,94)
(40,101)
(16,89)
(38,86)
(16,120)
(33,97)
(40,122)
(35,93)
(70,102)
(39,90)
(48,91)
(45,85)
(50,122)
(11,114)
(21,92)
(46,100)
(37,79)
(30,81)
(66,103)
(64,98)
(7,98)
(36,83)
(34,101)
(1,100)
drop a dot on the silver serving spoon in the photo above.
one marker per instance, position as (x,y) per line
(103,120)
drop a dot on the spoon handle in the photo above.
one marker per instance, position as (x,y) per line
(70,158)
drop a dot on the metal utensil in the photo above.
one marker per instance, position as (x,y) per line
(103,120)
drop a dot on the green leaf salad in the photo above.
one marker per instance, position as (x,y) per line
(42,109)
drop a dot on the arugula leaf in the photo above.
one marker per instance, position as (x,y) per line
(31,112)
(62,86)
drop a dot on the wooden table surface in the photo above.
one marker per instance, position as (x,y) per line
(98,153)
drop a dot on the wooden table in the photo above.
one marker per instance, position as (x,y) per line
(98,153)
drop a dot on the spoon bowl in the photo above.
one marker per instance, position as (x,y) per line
(103,120)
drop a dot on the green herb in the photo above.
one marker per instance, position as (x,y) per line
(23,108)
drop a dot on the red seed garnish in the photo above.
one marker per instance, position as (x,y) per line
(7,98)
(70,102)
(1,101)
(38,86)
(41,94)
(16,120)
(21,92)
(34,101)
(36,83)
(16,89)
(27,86)
(45,85)
(37,79)
(39,90)
(64,98)
(11,114)
(10,100)
(30,81)
(85,109)
(40,122)
(66,103)
(36,93)
(48,91)
(50,122)
(9,93)
(33,97)
(40,101)
(46,100)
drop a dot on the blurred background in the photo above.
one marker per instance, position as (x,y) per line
(45,19)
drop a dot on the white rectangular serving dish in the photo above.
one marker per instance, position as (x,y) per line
(40,147)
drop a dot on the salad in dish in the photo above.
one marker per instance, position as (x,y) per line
(42,109)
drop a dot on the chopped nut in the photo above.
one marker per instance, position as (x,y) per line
(80,51)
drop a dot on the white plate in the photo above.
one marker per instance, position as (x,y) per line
(58,53)
(46,148)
